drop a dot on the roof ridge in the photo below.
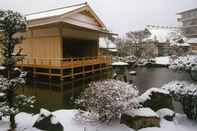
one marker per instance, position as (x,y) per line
(85,3)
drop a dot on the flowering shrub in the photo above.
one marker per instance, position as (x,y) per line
(109,99)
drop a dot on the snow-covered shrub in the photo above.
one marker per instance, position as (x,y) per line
(186,94)
(109,98)
(183,63)
(11,23)
(181,88)
(20,102)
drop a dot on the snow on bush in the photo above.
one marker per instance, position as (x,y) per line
(181,88)
(109,99)
(183,62)
(21,102)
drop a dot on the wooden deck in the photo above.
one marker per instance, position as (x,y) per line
(66,67)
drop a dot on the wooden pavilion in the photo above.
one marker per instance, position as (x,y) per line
(64,42)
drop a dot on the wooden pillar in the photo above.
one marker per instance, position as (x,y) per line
(34,68)
(92,68)
(83,71)
(72,68)
(61,74)
(50,70)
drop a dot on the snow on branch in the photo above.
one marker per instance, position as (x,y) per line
(109,99)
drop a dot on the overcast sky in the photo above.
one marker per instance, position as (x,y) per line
(120,16)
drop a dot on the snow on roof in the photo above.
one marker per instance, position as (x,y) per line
(192,40)
(54,12)
(142,112)
(161,34)
(104,42)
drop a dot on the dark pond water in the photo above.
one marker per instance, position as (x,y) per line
(54,95)
(156,77)
(61,95)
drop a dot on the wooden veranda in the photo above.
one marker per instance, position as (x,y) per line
(66,67)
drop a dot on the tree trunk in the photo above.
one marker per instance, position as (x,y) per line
(12,122)
(11,96)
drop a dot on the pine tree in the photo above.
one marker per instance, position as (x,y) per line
(11,23)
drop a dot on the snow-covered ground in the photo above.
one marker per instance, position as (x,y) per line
(67,119)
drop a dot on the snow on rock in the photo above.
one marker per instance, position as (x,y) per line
(142,112)
(146,96)
(165,112)
(47,121)
(45,112)
(119,63)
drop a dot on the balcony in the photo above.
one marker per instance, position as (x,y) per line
(64,62)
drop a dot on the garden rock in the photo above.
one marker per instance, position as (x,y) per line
(47,121)
(189,103)
(166,114)
(156,98)
(140,118)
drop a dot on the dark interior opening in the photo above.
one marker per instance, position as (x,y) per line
(79,48)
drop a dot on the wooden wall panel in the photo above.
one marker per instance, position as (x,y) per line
(44,47)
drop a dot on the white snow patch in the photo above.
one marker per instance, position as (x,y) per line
(119,63)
